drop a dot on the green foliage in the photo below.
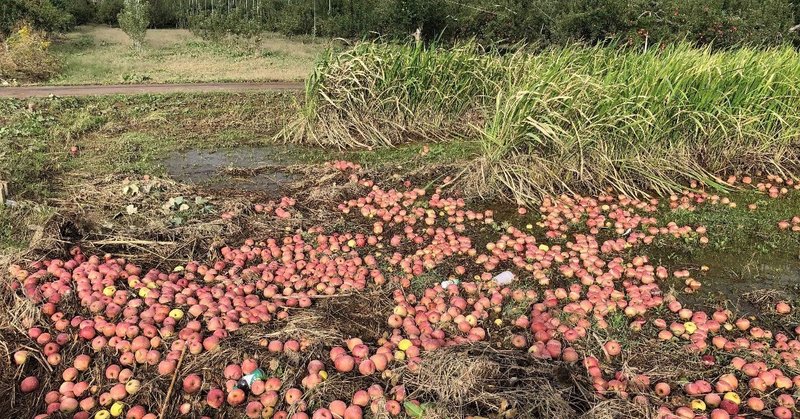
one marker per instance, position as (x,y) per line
(722,23)
(134,20)
(107,11)
(41,14)
(217,26)
(378,94)
(164,13)
(82,11)
(585,118)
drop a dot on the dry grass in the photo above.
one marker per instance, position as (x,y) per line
(619,409)
(103,55)
(480,380)
(156,38)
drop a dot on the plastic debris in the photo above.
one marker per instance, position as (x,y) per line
(504,278)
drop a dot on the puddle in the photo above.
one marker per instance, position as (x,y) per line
(731,275)
(258,169)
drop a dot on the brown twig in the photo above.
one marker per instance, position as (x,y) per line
(172,384)
(313,297)
(131,242)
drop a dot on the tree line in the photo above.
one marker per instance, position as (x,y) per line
(721,23)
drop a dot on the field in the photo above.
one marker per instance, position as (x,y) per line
(422,233)
(103,55)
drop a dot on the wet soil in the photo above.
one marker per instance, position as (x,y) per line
(258,169)
(736,276)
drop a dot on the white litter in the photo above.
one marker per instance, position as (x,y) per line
(504,278)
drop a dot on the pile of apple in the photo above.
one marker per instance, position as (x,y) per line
(579,263)
(281,209)
(793,224)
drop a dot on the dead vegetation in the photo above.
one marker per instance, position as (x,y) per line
(480,380)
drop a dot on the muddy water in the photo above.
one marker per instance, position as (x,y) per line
(732,275)
(248,169)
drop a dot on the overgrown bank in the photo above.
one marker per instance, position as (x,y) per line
(575,119)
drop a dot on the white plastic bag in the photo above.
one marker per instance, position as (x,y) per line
(504,278)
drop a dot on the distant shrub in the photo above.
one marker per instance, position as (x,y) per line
(107,11)
(82,11)
(25,56)
(134,20)
(40,14)
(164,13)
(216,26)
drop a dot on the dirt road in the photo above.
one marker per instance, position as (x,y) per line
(138,89)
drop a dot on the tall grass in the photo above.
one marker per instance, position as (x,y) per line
(379,94)
(571,119)
(587,118)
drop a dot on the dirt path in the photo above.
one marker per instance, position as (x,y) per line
(137,89)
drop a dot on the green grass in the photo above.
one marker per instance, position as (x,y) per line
(132,135)
(378,94)
(587,118)
(572,119)
(743,231)
(18,225)
(103,55)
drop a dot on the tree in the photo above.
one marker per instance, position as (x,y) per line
(134,20)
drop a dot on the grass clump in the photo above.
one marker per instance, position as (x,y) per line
(573,119)
(379,94)
(587,118)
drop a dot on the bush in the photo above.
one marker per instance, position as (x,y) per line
(134,20)
(40,14)
(107,11)
(25,56)
(380,94)
(164,13)
(216,26)
(82,11)
(583,119)
(722,23)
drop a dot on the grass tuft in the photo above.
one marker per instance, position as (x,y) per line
(378,94)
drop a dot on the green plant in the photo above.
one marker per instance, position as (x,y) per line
(216,26)
(568,119)
(82,11)
(134,20)
(164,13)
(584,119)
(40,14)
(378,94)
(25,56)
